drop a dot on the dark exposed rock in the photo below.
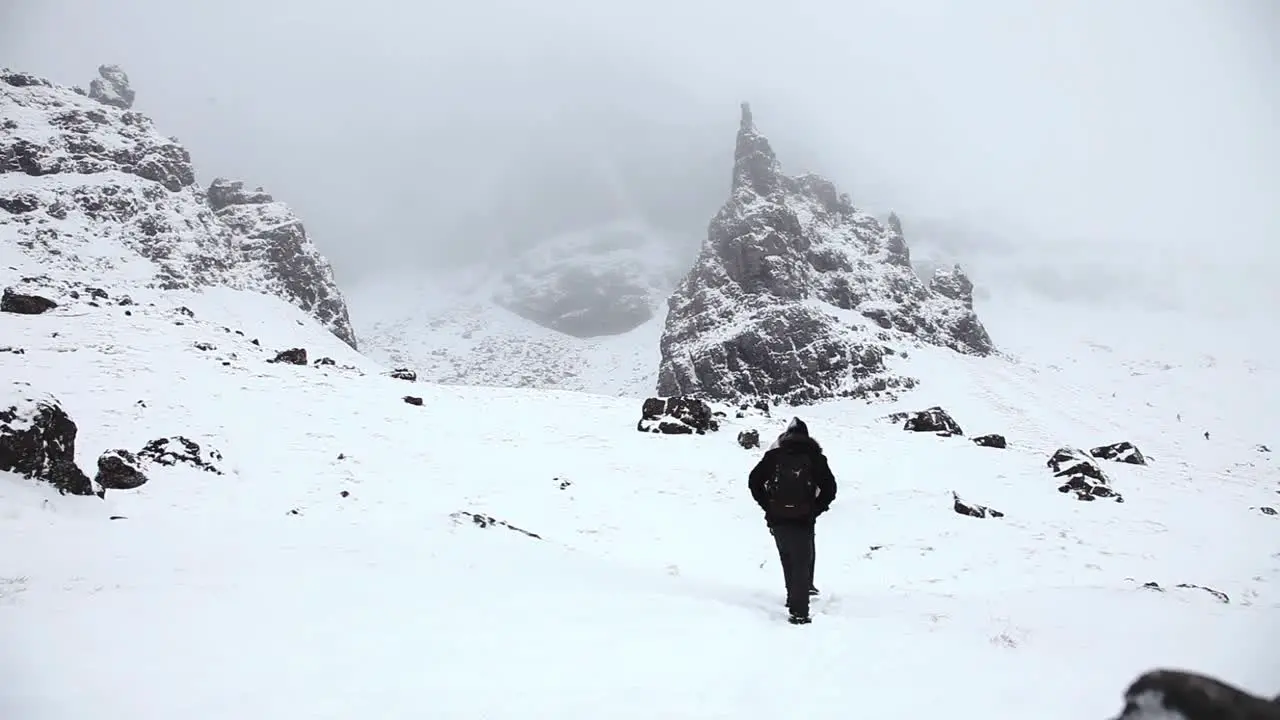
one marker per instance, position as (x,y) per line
(177,449)
(404,374)
(38,441)
(1124,452)
(324,361)
(19,203)
(275,243)
(758,407)
(749,439)
(1265,510)
(484,521)
(1081,476)
(953,283)
(292,356)
(224,193)
(1159,694)
(992,441)
(1262,449)
(119,470)
(777,303)
(14,350)
(204,346)
(934,420)
(973,509)
(679,415)
(413,400)
(111,87)
(21,304)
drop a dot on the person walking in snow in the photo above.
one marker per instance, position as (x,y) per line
(793,485)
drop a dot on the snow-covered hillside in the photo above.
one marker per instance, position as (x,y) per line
(327,571)
(91,192)
(582,311)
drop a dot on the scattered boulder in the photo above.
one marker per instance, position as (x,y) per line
(1081,475)
(1267,510)
(204,346)
(934,420)
(404,374)
(412,400)
(973,509)
(324,361)
(679,415)
(111,87)
(1191,696)
(119,470)
(14,350)
(758,407)
(1124,452)
(749,439)
(484,521)
(992,441)
(20,304)
(292,356)
(38,441)
(1262,448)
(177,449)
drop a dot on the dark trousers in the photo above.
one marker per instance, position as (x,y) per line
(796,552)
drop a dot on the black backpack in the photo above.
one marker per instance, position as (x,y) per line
(792,490)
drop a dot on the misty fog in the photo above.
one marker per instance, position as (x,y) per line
(1070,145)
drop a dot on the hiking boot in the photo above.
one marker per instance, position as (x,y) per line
(799,619)
(813,592)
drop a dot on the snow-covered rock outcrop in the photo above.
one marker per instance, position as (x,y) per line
(275,248)
(798,296)
(111,87)
(90,192)
(602,281)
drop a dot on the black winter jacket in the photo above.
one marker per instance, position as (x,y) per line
(763,471)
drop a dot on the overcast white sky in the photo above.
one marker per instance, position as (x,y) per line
(1131,130)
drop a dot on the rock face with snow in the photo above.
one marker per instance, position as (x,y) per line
(111,87)
(275,248)
(798,296)
(604,281)
(90,191)
(38,440)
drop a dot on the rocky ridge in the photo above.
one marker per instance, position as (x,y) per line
(91,192)
(797,296)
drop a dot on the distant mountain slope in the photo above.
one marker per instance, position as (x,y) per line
(90,191)
(451,329)
(579,311)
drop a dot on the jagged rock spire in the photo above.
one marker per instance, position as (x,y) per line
(755,167)
(111,87)
(896,244)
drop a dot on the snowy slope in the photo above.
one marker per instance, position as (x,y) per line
(450,329)
(652,590)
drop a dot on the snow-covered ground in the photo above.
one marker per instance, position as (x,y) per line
(653,590)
